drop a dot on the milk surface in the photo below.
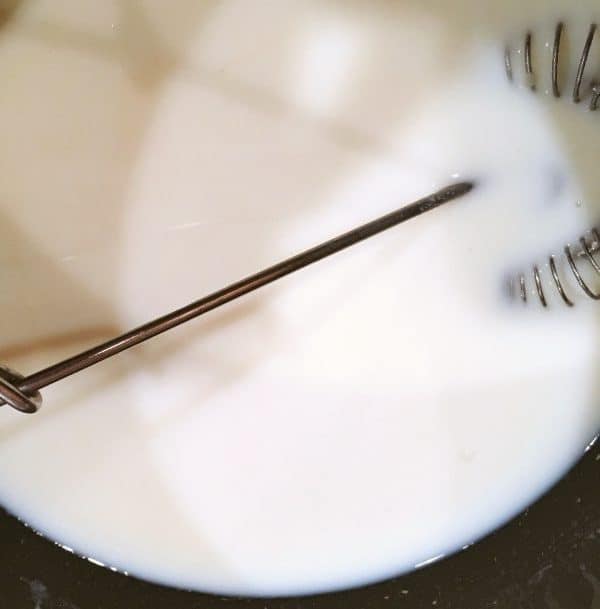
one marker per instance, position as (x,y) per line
(360,418)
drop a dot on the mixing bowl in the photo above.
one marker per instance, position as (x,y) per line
(546,557)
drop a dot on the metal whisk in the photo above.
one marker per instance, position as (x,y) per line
(588,244)
(22,393)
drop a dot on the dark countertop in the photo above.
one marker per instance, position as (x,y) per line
(548,557)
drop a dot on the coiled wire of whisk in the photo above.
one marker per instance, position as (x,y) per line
(530,73)
(588,246)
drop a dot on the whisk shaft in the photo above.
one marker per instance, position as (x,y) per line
(17,394)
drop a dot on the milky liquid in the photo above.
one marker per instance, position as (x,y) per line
(356,420)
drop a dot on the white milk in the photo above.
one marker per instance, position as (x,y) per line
(380,409)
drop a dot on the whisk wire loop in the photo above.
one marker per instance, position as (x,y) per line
(588,247)
(558,52)
(12,395)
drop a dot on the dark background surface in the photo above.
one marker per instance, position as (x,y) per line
(548,557)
